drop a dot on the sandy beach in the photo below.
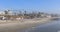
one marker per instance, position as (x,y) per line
(19,26)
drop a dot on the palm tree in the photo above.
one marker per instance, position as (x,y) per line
(39,14)
(25,12)
(6,12)
(20,13)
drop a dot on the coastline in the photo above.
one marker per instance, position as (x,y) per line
(15,26)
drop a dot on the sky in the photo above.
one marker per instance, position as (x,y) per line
(49,6)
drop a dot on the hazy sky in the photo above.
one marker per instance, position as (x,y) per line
(50,6)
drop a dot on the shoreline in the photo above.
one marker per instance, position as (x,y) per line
(13,27)
(28,21)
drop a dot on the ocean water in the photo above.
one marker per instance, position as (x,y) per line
(53,26)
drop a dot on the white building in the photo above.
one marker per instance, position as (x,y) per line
(2,13)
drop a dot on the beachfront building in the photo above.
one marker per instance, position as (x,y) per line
(4,16)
